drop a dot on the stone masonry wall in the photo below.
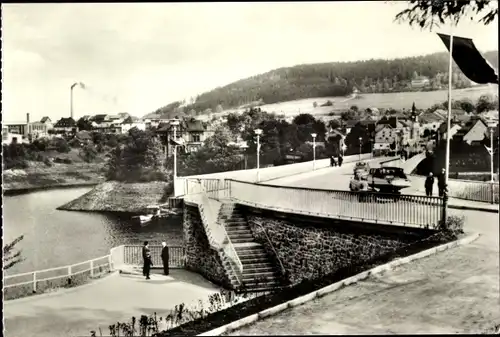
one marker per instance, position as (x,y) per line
(311,249)
(200,257)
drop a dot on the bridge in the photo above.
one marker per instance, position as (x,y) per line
(306,189)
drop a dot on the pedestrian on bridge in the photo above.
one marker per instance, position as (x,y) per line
(332,161)
(165,257)
(429,184)
(441,182)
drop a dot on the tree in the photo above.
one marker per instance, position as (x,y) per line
(428,14)
(354,108)
(467,105)
(139,159)
(88,153)
(219,109)
(84,124)
(486,103)
(333,124)
(10,256)
(62,145)
(349,115)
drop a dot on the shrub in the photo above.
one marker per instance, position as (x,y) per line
(328,103)
(62,145)
(74,143)
(455,224)
(47,162)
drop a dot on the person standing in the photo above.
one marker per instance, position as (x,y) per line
(145,252)
(148,263)
(441,183)
(429,183)
(341,159)
(165,257)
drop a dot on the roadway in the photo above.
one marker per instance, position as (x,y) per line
(456,291)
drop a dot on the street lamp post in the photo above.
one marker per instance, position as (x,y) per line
(244,147)
(314,150)
(360,140)
(258,132)
(174,123)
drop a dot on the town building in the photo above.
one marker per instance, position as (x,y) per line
(190,132)
(65,126)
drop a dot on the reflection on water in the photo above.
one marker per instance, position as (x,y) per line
(55,238)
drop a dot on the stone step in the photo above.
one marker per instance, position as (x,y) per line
(257,270)
(242,240)
(234,236)
(250,250)
(253,259)
(254,286)
(257,265)
(234,221)
(251,256)
(250,274)
(238,231)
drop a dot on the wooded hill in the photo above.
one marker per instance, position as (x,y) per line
(325,79)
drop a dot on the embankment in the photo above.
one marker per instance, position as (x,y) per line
(40,177)
(113,196)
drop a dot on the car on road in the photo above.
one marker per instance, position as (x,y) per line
(388,179)
(362,168)
(358,183)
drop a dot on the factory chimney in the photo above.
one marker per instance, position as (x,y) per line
(27,131)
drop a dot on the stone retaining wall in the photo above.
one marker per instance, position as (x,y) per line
(200,257)
(309,248)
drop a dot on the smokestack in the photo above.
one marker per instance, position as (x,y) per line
(27,132)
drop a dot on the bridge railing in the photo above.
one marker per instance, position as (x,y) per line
(467,189)
(406,210)
(23,284)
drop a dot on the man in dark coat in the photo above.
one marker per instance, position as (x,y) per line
(341,159)
(145,252)
(148,263)
(164,257)
(441,182)
(429,183)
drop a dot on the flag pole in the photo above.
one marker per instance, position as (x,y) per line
(448,127)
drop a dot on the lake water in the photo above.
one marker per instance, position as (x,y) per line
(54,238)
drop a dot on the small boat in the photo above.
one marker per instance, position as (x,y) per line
(154,213)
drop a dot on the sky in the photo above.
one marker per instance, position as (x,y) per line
(136,58)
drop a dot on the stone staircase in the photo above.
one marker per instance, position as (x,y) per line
(259,273)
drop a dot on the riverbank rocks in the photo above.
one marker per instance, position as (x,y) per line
(309,250)
(113,196)
(200,257)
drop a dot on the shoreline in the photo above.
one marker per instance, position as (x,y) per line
(26,190)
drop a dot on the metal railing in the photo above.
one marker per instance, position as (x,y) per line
(467,189)
(23,284)
(282,268)
(132,255)
(215,230)
(360,206)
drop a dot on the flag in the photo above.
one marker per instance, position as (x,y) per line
(470,60)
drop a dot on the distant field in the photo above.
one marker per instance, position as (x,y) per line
(392,100)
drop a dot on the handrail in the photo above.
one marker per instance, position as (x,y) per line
(238,261)
(283,270)
(55,268)
(226,242)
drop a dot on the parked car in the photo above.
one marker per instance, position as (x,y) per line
(362,168)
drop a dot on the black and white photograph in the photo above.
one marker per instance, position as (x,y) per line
(250,168)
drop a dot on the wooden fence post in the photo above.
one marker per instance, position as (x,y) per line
(34,282)
(92,268)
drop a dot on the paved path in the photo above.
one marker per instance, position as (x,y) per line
(456,291)
(115,298)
